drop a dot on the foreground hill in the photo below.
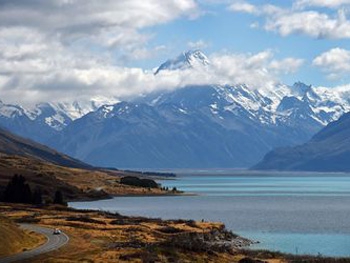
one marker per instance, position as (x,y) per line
(74,183)
(50,170)
(328,150)
(14,145)
(15,239)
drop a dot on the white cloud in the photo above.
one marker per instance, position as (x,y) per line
(309,22)
(287,65)
(256,70)
(200,44)
(72,48)
(69,77)
(242,6)
(336,62)
(321,3)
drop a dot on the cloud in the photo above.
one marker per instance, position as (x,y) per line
(321,3)
(65,48)
(87,77)
(336,62)
(287,65)
(288,21)
(200,44)
(242,6)
(257,70)
(311,23)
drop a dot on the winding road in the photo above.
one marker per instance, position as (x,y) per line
(53,242)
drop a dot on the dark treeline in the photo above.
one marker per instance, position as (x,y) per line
(151,173)
(19,191)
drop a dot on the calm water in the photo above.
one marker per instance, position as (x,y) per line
(294,213)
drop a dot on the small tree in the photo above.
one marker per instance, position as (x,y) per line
(59,198)
(37,197)
(18,191)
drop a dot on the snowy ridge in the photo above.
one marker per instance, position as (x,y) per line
(189,59)
(56,115)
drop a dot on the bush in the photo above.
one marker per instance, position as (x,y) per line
(170,230)
(135,181)
(249,260)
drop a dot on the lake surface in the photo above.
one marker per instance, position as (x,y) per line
(299,213)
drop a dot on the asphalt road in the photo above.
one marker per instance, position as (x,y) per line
(53,242)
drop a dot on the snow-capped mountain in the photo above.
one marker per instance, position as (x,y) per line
(44,120)
(193,126)
(199,126)
(186,60)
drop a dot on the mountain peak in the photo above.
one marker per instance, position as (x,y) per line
(301,88)
(188,59)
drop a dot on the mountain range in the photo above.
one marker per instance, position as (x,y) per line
(45,120)
(328,150)
(190,127)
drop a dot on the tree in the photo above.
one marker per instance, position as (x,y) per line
(18,191)
(59,198)
(37,197)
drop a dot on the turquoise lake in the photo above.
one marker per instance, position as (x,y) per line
(299,213)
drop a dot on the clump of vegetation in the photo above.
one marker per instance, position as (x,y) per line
(250,260)
(85,219)
(19,191)
(135,181)
(59,198)
(150,173)
(169,230)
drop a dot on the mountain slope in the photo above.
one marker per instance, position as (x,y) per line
(14,145)
(328,150)
(206,126)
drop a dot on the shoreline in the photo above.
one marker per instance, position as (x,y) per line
(130,195)
(187,238)
(149,235)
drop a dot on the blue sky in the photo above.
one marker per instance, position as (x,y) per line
(77,49)
(222,30)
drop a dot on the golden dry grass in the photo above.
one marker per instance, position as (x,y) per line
(98,237)
(77,184)
(14,240)
(95,238)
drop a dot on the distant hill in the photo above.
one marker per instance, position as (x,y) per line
(15,145)
(328,150)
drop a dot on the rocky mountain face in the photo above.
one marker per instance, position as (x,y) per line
(199,126)
(328,150)
(194,126)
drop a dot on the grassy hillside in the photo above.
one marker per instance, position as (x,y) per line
(17,239)
(75,183)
